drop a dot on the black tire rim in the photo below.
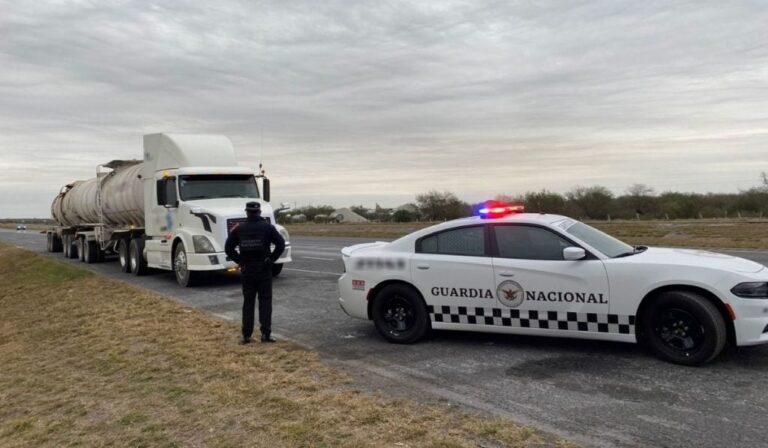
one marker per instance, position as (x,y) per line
(398,315)
(679,330)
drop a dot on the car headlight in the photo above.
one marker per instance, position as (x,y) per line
(283,233)
(202,244)
(751,290)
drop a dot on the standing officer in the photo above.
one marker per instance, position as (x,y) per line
(253,239)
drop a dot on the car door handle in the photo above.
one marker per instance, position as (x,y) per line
(422,266)
(506,274)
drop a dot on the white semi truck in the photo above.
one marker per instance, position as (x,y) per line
(172,210)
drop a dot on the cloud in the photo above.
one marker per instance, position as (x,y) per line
(388,99)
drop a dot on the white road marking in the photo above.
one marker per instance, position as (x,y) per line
(319,258)
(314,272)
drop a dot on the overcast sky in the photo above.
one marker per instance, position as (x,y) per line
(364,102)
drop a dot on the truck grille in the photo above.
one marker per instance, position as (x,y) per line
(231,223)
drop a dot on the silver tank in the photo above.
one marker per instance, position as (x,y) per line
(122,194)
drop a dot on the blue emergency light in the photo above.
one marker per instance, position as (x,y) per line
(498,209)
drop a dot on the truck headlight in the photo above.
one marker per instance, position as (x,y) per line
(751,290)
(202,244)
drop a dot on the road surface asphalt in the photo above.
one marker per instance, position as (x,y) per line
(595,393)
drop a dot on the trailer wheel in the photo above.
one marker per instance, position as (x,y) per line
(91,254)
(70,251)
(136,257)
(123,255)
(49,242)
(80,243)
(56,245)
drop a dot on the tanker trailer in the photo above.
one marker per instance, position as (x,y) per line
(172,211)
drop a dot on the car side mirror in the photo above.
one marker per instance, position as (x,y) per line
(574,253)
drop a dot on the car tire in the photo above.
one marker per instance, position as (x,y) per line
(685,328)
(91,253)
(123,256)
(400,315)
(184,277)
(277,269)
(136,261)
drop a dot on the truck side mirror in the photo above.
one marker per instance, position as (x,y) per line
(265,188)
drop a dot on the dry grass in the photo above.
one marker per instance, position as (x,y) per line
(91,361)
(700,233)
(710,233)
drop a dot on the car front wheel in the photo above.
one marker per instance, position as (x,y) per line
(684,328)
(400,315)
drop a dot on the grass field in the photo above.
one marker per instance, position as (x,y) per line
(694,233)
(88,361)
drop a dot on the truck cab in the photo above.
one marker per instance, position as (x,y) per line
(194,194)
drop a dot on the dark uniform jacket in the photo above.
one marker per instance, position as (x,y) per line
(254,238)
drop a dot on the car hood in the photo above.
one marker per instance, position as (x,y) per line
(700,258)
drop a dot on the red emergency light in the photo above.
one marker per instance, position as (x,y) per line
(498,209)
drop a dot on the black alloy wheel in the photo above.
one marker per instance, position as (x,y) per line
(400,315)
(684,328)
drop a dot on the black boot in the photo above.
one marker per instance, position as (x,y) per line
(246,340)
(265,337)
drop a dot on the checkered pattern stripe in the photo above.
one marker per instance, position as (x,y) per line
(552,320)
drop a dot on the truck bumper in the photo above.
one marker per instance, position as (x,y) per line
(219,261)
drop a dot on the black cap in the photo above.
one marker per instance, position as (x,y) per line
(253,207)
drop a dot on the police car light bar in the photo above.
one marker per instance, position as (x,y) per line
(495,209)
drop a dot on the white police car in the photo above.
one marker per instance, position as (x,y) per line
(538,274)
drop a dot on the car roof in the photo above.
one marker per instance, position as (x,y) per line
(522,218)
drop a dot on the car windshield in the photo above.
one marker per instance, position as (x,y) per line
(603,242)
(213,186)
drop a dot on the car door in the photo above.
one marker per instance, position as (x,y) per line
(537,288)
(454,272)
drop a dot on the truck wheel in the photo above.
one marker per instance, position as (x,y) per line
(136,257)
(70,251)
(277,269)
(56,245)
(184,277)
(91,253)
(400,315)
(684,328)
(80,243)
(123,255)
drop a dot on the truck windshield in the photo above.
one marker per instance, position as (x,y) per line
(213,186)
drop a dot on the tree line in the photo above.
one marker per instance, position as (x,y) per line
(597,202)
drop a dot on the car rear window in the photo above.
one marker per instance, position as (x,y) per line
(469,241)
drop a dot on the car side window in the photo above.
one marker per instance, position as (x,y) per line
(529,243)
(469,241)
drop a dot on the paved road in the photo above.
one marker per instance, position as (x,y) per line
(596,393)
